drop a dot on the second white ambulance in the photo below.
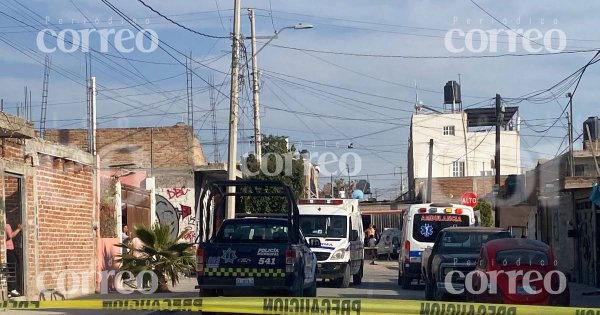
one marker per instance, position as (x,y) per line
(338,225)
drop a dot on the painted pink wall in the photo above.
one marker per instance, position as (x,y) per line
(135,179)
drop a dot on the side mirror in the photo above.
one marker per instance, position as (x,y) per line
(314,242)
(354,235)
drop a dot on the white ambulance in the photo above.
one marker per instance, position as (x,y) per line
(338,225)
(421,225)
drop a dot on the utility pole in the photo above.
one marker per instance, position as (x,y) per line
(348,170)
(499,120)
(401,184)
(233,109)
(570,120)
(93,115)
(430,171)
(332,193)
(255,93)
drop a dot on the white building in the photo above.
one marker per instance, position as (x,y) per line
(464,144)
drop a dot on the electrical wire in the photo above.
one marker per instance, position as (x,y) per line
(180,25)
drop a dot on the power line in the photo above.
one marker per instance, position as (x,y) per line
(180,25)
(332,52)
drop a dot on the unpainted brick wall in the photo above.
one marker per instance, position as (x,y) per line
(450,189)
(170,146)
(58,220)
(66,212)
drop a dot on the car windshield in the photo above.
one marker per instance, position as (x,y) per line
(467,242)
(521,257)
(426,227)
(324,225)
(239,231)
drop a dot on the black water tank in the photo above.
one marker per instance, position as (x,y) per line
(594,124)
(452,93)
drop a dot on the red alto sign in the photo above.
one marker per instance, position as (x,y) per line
(469,199)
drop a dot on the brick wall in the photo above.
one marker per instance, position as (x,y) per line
(170,146)
(66,211)
(450,189)
(55,205)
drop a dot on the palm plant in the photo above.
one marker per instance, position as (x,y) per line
(161,254)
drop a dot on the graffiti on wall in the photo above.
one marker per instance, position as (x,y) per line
(175,199)
(177,192)
(167,215)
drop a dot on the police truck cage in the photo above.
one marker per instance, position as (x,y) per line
(212,204)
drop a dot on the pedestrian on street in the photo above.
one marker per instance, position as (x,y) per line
(125,234)
(376,234)
(369,234)
(11,257)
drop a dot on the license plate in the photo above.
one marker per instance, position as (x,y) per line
(521,290)
(244,282)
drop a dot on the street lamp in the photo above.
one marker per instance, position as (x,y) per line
(255,88)
(299,26)
(234,99)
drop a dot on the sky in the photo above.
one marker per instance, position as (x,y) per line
(350,79)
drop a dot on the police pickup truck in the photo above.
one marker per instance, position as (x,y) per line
(256,253)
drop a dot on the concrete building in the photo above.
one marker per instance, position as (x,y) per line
(464,147)
(566,218)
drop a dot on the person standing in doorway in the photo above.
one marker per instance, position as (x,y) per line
(11,257)
(376,234)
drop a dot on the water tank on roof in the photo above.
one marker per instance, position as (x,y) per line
(452,93)
(593,123)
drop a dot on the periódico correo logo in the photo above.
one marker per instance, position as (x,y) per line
(479,40)
(123,40)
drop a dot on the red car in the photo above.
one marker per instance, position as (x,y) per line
(518,271)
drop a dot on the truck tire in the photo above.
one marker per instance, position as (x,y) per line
(406,282)
(344,281)
(297,290)
(437,294)
(428,291)
(312,290)
(357,278)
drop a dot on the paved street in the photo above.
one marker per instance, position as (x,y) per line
(380,282)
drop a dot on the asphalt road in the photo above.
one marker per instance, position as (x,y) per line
(380,281)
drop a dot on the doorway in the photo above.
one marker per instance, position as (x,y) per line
(14,205)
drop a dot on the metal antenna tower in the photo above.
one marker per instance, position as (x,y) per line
(190,100)
(213,112)
(45,96)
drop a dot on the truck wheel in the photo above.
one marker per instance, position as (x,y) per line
(437,294)
(406,282)
(312,290)
(298,288)
(344,282)
(428,291)
(357,278)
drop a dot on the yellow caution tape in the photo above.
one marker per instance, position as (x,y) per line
(301,306)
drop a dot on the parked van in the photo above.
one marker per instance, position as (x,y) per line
(338,225)
(421,225)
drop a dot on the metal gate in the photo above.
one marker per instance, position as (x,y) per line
(586,243)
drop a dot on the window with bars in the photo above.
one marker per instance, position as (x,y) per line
(448,130)
(458,169)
